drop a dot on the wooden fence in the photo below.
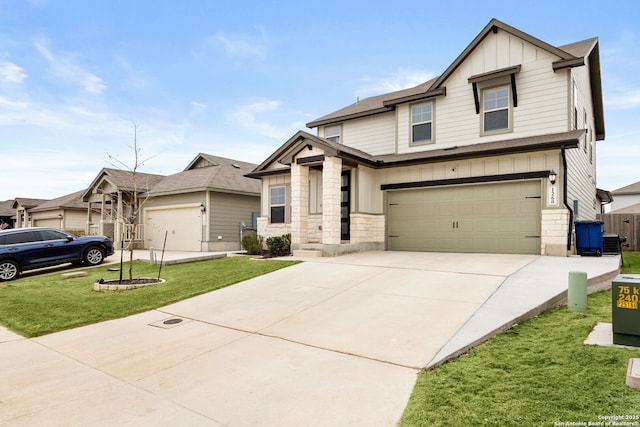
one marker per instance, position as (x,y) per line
(625,225)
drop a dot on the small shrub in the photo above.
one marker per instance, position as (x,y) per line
(252,243)
(279,245)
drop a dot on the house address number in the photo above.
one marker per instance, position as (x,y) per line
(628,297)
(552,195)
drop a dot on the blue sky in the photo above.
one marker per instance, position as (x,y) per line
(237,79)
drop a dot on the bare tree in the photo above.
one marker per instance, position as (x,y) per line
(133,199)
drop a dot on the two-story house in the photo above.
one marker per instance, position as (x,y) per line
(495,155)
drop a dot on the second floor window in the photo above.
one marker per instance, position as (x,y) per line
(332,133)
(495,111)
(277,205)
(421,123)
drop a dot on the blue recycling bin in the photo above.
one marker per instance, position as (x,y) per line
(589,237)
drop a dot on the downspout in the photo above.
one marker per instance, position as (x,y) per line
(564,196)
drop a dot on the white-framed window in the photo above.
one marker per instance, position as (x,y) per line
(496,109)
(277,205)
(422,123)
(332,133)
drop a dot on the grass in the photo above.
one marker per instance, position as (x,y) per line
(39,305)
(538,373)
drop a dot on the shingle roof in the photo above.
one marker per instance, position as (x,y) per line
(370,105)
(285,153)
(581,48)
(6,208)
(223,174)
(28,203)
(73,201)
(629,189)
(124,179)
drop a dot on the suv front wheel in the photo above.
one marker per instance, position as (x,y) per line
(93,256)
(9,270)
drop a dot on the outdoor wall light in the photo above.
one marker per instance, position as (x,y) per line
(552,177)
(202,208)
(60,216)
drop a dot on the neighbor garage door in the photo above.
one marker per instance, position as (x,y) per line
(183,226)
(491,218)
(47,222)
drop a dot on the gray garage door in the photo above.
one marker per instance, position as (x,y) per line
(491,218)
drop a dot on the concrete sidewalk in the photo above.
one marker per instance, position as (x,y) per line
(331,341)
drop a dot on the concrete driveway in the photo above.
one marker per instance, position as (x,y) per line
(331,341)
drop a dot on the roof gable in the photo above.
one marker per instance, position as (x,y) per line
(283,156)
(493,27)
(26,202)
(202,161)
(211,173)
(121,180)
(567,56)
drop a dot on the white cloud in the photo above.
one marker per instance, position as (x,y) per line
(64,66)
(241,45)
(197,107)
(402,79)
(252,116)
(12,73)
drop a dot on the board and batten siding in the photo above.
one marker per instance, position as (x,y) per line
(543,103)
(275,181)
(542,97)
(369,197)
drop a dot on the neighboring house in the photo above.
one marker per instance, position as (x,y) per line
(624,216)
(22,206)
(7,214)
(495,155)
(117,195)
(199,209)
(66,213)
(206,207)
(626,197)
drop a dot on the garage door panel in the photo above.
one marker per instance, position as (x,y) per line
(492,218)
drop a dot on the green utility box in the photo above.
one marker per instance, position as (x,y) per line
(625,310)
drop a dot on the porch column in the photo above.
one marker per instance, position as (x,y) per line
(331,172)
(87,227)
(299,204)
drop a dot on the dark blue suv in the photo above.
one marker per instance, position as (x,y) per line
(30,248)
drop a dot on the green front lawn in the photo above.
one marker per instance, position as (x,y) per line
(538,373)
(38,305)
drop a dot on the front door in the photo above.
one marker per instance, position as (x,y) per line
(345,205)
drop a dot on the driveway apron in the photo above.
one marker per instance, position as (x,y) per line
(331,341)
